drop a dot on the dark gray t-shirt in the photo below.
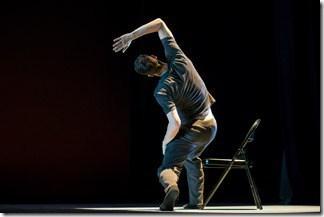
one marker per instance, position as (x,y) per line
(181,87)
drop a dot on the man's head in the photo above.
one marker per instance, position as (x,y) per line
(149,65)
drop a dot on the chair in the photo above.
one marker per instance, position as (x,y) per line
(238,161)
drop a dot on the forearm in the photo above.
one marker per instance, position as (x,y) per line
(151,27)
(171,132)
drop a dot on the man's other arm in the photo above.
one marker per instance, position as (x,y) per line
(172,129)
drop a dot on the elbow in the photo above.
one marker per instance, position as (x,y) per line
(160,22)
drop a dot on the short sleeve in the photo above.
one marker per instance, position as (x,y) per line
(172,50)
(163,97)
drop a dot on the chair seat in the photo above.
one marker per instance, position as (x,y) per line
(223,163)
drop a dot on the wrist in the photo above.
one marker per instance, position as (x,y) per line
(132,36)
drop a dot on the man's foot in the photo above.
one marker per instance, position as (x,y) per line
(170,198)
(189,206)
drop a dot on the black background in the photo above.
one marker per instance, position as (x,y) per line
(79,126)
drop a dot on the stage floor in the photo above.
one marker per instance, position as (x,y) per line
(221,209)
(273,209)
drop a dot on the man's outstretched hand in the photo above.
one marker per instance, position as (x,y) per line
(122,42)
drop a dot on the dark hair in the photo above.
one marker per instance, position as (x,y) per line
(144,65)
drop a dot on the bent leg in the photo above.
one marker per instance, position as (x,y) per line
(176,153)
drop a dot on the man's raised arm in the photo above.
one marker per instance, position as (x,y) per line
(157,25)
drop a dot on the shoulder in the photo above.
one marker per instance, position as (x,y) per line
(172,50)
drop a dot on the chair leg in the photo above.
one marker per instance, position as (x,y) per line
(221,179)
(254,190)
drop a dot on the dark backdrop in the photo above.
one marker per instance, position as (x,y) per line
(79,126)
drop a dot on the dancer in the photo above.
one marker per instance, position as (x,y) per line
(186,102)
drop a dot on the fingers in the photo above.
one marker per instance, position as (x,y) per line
(120,39)
(118,48)
(125,49)
(116,39)
(117,44)
(121,44)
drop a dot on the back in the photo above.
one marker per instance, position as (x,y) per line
(182,87)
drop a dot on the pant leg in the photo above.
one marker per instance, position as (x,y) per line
(195,179)
(177,151)
(193,164)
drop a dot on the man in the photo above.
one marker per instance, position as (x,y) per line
(186,102)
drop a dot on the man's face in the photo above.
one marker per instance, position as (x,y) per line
(153,59)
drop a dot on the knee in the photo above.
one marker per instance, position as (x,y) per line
(169,175)
(176,170)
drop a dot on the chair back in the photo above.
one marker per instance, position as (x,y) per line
(250,135)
